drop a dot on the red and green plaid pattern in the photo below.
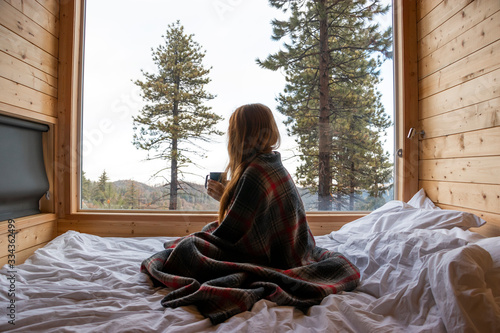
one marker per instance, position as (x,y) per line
(263,249)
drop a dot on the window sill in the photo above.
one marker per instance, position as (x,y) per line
(150,224)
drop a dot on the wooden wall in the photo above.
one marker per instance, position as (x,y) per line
(29,32)
(458,65)
(459,105)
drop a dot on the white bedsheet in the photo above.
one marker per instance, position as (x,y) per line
(412,281)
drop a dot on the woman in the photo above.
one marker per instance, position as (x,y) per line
(261,245)
(258,174)
(252,131)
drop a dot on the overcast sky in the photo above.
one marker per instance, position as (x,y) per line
(119,38)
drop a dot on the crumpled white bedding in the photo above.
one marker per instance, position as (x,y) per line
(435,278)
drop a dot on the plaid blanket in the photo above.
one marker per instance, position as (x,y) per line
(263,249)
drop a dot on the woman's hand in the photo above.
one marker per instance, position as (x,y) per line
(215,189)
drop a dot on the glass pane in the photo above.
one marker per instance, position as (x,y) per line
(130,44)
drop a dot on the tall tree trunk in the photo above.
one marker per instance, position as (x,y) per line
(339,201)
(173,177)
(173,153)
(351,189)
(325,175)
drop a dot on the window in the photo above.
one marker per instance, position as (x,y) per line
(116,175)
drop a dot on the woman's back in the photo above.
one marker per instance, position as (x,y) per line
(266,221)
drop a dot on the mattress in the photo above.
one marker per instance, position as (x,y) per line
(421,271)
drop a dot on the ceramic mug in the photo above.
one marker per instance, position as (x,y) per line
(217,176)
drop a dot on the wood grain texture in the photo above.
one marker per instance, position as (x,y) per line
(471,15)
(482,197)
(69,108)
(424,7)
(469,42)
(438,15)
(38,14)
(459,107)
(406,98)
(27,52)
(484,170)
(52,5)
(23,97)
(47,202)
(136,224)
(30,233)
(28,90)
(474,117)
(20,72)
(175,225)
(26,28)
(470,144)
(472,92)
(474,65)
(15,111)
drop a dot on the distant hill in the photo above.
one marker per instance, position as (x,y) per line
(129,194)
(191,196)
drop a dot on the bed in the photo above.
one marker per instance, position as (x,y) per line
(421,269)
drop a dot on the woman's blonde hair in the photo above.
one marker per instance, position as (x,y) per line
(252,131)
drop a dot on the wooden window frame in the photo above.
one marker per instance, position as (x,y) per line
(406,97)
(126,223)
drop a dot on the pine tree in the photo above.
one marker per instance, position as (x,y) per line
(86,188)
(103,191)
(175,117)
(103,180)
(131,196)
(330,100)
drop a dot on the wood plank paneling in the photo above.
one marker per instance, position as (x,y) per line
(466,69)
(70,55)
(26,28)
(406,98)
(473,14)
(478,116)
(459,107)
(483,170)
(24,222)
(481,197)
(130,229)
(14,111)
(478,90)
(23,50)
(425,6)
(51,5)
(136,224)
(322,224)
(22,73)
(438,15)
(38,14)
(28,90)
(31,236)
(24,97)
(470,144)
(31,233)
(144,224)
(469,42)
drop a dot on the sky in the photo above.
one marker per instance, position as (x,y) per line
(119,36)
